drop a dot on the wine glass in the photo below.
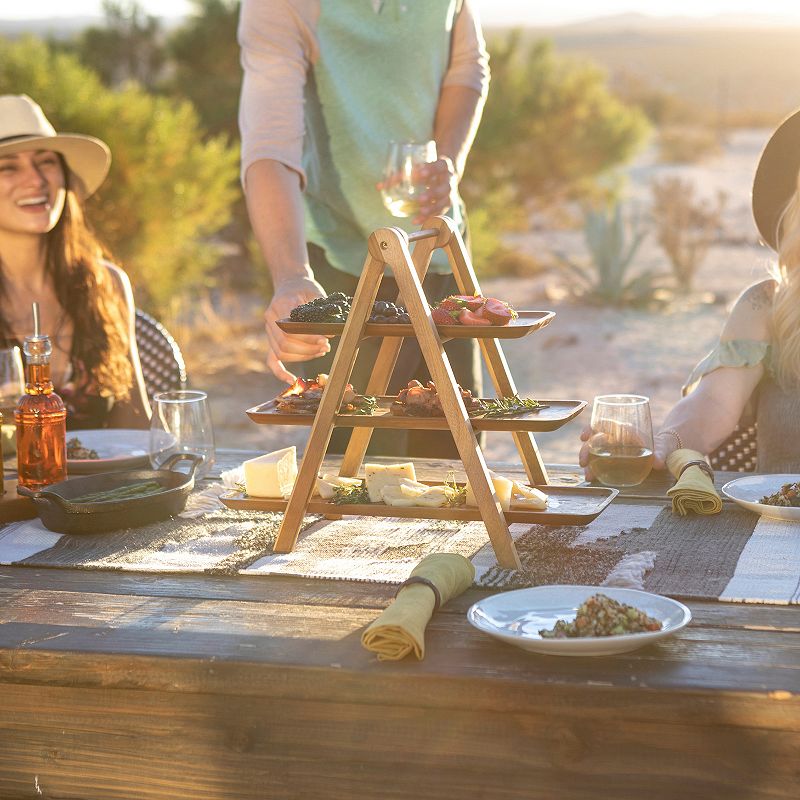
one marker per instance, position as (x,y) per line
(12,387)
(181,423)
(621,445)
(399,190)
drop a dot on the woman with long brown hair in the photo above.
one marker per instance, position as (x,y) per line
(49,255)
(755,365)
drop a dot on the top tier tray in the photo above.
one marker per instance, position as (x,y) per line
(525,323)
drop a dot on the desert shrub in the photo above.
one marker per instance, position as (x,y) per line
(612,244)
(169,190)
(687,145)
(686,226)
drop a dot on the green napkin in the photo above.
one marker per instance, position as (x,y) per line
(694,490)
(400,629)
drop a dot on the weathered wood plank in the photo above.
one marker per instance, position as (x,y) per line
(122,744)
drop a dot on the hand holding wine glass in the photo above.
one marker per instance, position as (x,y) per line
(619,450)
(411,180)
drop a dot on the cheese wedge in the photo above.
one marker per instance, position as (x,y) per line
(326,485)
(380,475)
(502,488)
(271,475)
(528,498)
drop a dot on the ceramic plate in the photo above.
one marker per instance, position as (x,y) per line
(517,617)
(748,492)
(117,448)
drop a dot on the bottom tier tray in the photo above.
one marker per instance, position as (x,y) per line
(567,505)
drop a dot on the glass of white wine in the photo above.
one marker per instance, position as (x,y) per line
(12,387)
(401,188)
(621,445)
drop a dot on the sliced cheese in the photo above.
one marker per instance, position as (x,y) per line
(380,475)
(431,497)
(326,485)
(527,497)
(271,475)
(502,488)
(412,488)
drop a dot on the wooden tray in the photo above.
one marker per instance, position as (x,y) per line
(568,505)
(526,322)
(558,413)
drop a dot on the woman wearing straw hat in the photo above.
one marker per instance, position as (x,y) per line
(49,255)
(757,359)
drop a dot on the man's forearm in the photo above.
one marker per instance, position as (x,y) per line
(275,206)
(457,117)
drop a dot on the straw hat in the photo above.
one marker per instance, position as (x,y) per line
(776,178)
(23,126)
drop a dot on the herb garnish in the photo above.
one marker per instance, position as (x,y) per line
(456,495)
(366,405)
(350,495)
(507,406)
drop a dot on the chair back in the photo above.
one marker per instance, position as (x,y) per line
(163,366)
(739,452)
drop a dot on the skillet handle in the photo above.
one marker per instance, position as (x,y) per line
(26,492)
(195,460)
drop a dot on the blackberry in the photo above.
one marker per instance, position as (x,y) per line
(339,296)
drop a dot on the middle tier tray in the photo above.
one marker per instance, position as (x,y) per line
(556,414)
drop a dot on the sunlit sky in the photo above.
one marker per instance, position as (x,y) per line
(493,12)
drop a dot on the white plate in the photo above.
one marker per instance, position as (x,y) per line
(748,491)
(517,617)
(117,448)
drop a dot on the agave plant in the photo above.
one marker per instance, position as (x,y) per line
(612,244)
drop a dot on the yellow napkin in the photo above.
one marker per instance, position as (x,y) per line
(694,490)
(400,629)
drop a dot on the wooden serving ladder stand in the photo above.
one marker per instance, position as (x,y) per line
(389,247)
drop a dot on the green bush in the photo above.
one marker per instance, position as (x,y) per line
(169,190)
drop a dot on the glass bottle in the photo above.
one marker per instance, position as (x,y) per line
(41,421)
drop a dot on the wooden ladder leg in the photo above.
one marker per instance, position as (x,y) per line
(329,404)
(493,355)
(392,243)
(384,366)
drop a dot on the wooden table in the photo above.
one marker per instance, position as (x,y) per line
(122,685)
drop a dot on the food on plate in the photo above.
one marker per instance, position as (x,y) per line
(335,308)
(303,397)
(787,495)
(126,492)
(460,309)
(77,452)
(508,406)
(378,476)
(417,400)
(602,616)
(271,475)
(512,495)
(328,484)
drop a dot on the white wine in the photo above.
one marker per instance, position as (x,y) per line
(620,465)
(399,203)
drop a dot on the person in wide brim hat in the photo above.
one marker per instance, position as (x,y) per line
(49,255)
(753,372)
(775,181)
(23,126)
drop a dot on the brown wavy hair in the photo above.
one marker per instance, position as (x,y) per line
(86,290)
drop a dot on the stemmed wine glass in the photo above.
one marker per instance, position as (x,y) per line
(400,188)
(621,445)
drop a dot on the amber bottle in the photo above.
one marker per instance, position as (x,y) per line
(41,421)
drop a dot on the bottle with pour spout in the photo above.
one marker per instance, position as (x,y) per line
(41,417)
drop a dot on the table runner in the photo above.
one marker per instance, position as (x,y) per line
(734,556)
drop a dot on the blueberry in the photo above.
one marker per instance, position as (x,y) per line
(380,307)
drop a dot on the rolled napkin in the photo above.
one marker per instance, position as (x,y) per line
(694,489)
(400,629)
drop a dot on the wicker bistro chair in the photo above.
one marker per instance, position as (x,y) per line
(163,366)
(738,452)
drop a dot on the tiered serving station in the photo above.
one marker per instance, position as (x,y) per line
(389,247)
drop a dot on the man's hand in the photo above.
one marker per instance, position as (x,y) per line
(440,180)
(283,347)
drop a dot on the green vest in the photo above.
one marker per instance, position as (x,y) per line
(377,79)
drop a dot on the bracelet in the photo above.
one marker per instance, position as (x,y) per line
(673,432)
(437,598)
(703,465)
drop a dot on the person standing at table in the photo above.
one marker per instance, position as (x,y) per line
(326,87)
(49,255)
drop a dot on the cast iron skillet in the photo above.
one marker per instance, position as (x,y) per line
(59,514)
